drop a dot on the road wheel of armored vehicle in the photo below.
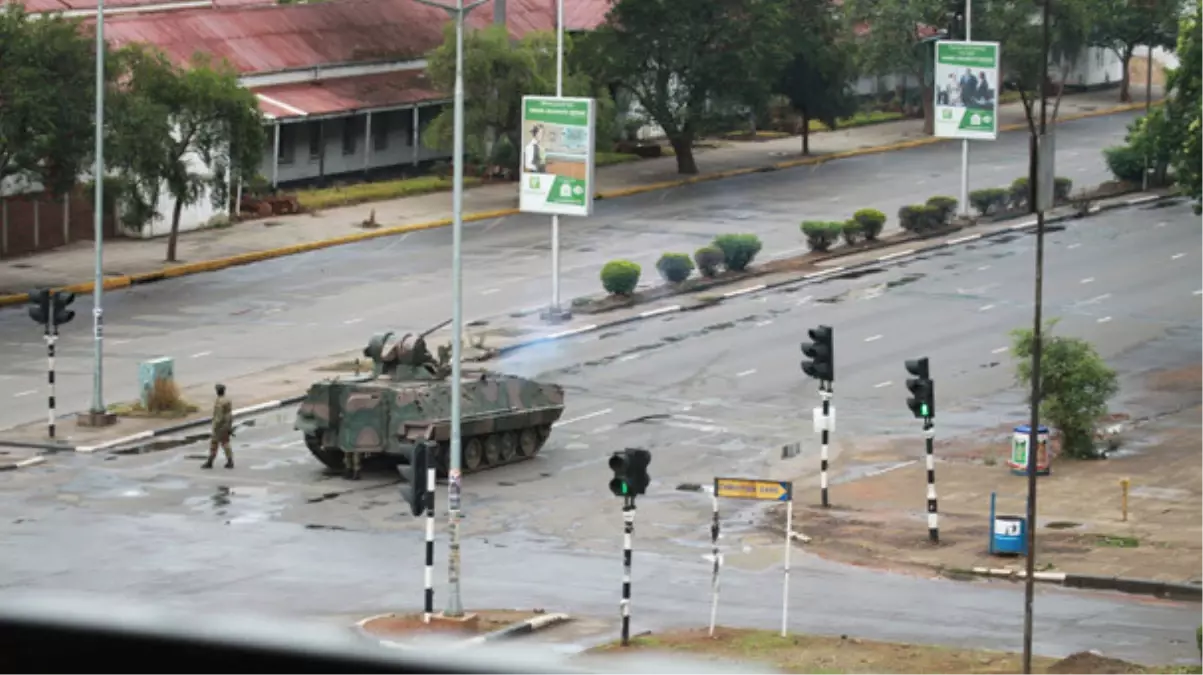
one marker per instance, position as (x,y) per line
(528,443)
(508,442)
(492,449)
(328,456)
(474,454)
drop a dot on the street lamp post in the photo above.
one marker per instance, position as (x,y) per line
(1029,586)
(459,12)
(97,409)
(965,141)
(554,313)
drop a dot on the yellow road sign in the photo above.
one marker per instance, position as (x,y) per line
(752,488)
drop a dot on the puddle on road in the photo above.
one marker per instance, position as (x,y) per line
(870,292)
(857,274)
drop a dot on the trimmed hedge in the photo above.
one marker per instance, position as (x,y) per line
(1062,187)
(620,277)
(738,250)
(709,260)
(989,200)
(871,222)
(852,230)
(1125,162)
(674,267)
(821,234)
(945,207)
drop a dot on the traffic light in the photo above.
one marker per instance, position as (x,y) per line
(630,472)
(63,315)
(415,488)
(821,352)
(923,390)
(39,305)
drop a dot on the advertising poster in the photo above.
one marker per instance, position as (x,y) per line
(966,90)
(557,156)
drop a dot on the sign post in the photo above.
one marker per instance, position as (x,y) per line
(966,90)
(765,491)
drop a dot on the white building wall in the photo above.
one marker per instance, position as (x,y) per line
(1095,67)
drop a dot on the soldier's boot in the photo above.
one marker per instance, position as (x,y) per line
(208,463)
(229,462)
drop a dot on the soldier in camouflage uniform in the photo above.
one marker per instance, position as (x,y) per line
(223,427)
(352,461)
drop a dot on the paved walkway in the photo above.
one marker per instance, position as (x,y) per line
(74,263)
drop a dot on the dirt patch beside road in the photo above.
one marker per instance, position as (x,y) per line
(881,519)
(817,654)
(394,626)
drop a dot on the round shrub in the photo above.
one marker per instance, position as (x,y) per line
(738,250)
(946,206)
(1061,188)
(911,218)
(1125,162)
(1018,194)
(620,277)
(852,231)
(820,234)
(934,217)
(871,222)
(988,200)
(674,267)
(709,260)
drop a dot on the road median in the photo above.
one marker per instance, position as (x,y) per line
(250,257)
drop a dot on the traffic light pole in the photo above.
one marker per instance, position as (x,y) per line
(825,390)
(431,479)
(628,533)
(933,524)
(714,584)
(51,339)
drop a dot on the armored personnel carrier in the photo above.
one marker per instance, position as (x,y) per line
(407,399)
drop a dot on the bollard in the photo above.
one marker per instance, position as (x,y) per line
(1124,483)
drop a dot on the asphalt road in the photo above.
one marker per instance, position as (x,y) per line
(714,392)
(241,320)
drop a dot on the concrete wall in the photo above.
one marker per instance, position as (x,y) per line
(1096,67)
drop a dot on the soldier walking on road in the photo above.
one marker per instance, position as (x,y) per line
(223,426)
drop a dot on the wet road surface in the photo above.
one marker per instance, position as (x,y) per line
(717,395)
(247,319)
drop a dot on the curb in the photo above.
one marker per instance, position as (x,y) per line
(1162,589)
(186,269)
(517,629)
(807,279)
(31,461)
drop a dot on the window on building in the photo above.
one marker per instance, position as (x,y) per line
(288,144)
(315,140)
(350,135)
(380,129)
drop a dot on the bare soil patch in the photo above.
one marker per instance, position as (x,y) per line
(393,626)
(798,653)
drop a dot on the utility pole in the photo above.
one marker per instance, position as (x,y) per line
(554,312)
(98,409)
(965,141)
(1144,180)
(1029,586)
(459,12)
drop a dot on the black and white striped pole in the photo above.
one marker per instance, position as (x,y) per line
(628,534)
(431,479)
(821,366)
(824,440)
(51,339)
(922,403)
(933,518)
(714,532)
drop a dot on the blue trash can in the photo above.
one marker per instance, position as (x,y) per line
(1009,536)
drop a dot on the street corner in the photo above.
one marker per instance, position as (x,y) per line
(403,630)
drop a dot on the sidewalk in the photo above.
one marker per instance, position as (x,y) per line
(284,235)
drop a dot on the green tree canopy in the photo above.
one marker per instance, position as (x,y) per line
(817,79)
(1123,25)
(687,64)
(497,74)
(1075,384)
(1185,104)
(175,116)
(47,98)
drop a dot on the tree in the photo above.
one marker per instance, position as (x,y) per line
(186,129)
(895,37)
(817,79)
(687,64)
(1183,107)
(497,74)
(1074,388)
(1122,25)
(47,98)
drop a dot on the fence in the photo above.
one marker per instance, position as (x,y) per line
(39,222)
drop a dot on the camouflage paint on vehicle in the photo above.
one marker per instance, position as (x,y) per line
(504,418)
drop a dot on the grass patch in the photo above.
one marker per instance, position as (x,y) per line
(324,198)
(1009,97)
(612,158)
(860,119)
(1117,541)
(164,402)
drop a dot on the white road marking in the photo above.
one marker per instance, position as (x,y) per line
(631,357)
(662,310)
(25,393)
(490,291)
(692,417)
(983,268)
(1104,319)
(879,385)
(984,308)
(820,273)
(741,291)
(200,354)
(1088,280)
(805,300)
(834,199)
(114,343)
(1176,256)
(1073,246)
(746,373)
(871,339)
(348,322)
(1162,224)
(962,240)
(1097,298)
(920,181)
(896,255)
(766,322)
(999,350)
(603,429)
(1023,226)
(596,413)
(273,310)
(1141,200)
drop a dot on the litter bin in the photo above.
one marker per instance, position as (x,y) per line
(1009,536)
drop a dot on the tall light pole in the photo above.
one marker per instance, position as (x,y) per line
(554,312)
(1029,585)
(455,606)
(97,410)
(965,141)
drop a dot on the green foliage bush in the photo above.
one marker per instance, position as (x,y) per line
(620,277)
(934,217)
(1061,188)
(988,200)
(871,222)
(1125,162)
(675,267)
(709,260)
(821,234)
(945,206)
(910,218)
(738,250)
(325,198)
(853,231)
(1018,194)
